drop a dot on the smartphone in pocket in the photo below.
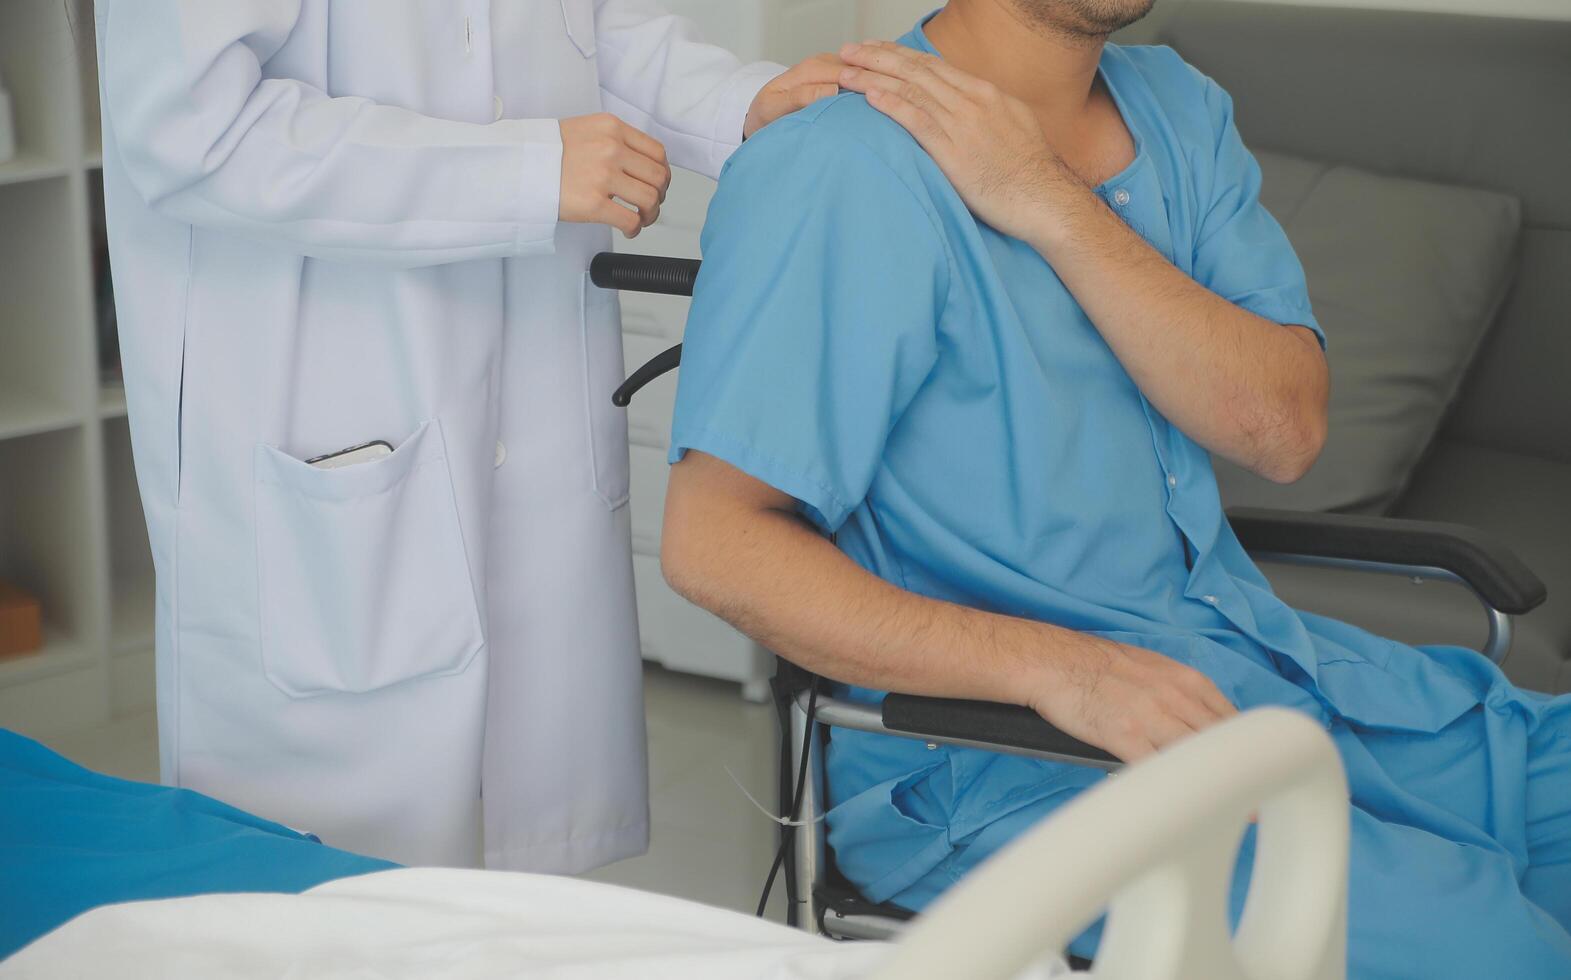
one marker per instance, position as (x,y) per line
(353,456)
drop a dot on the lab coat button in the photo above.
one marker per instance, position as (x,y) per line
(501,454)
(497,108)
(1121,197)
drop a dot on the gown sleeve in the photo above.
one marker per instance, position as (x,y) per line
(814,320)
(1241,252)
(206,139)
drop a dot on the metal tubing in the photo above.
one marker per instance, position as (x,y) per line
(810,847)
(857,926)
(1496,648)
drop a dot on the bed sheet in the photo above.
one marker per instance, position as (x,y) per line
(427,923)
(73,840)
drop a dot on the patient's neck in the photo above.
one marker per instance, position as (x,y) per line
(1052,71)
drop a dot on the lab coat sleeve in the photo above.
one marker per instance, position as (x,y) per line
(656,75)
(814,320)
(1241,252)
(207,140)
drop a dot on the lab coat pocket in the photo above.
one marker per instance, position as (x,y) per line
(603,373)
(362,577)
(580,21)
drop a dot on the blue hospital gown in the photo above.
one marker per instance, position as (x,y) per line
(929,390)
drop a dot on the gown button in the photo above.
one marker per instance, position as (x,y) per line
(501,454)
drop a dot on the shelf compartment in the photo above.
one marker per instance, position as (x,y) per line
(106,329)
(111,400)
(44,313)
(132,612)
(30,165)
(131,581)
(39,66)
(85,38)
(47,548)
(60,654)
(25,413)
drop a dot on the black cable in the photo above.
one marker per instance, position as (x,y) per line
(788,833)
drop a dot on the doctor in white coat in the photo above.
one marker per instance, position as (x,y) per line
(342,221)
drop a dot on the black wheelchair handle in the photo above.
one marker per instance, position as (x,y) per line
(661,274)
(666,360)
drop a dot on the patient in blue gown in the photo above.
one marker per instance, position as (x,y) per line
(928,390)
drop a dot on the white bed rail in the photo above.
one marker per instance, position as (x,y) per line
(1155,846)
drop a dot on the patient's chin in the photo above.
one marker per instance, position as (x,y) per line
(1086,18)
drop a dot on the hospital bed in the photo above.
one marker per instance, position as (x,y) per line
(1155,847)
(820,899)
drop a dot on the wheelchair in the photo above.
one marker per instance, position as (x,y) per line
(819,899)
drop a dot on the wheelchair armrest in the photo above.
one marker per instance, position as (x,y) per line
(1479,561)
(985,725)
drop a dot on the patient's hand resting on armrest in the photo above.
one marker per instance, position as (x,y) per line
(737,547)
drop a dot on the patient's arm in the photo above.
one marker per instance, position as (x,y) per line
(737,547)
(1246,386)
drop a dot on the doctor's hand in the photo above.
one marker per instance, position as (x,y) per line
(606,161)
(988,143)
(1125,699)
(797,88)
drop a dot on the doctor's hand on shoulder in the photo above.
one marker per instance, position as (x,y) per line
(816,78)
(614,174)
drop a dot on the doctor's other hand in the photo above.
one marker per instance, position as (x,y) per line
(1125,699)
(606,161)
(987,142)
(797,88)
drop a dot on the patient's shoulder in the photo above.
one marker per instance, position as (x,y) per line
(841,136)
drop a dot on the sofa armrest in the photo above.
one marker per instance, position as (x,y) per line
(1481,562)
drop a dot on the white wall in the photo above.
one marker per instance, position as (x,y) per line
(1540,9)
(891,18)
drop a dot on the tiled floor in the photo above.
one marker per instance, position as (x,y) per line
(709,843)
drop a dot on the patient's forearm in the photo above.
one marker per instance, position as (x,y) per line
(769,574)
(1246,388)
(736,547)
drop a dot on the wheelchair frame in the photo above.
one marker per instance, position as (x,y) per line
(820,901)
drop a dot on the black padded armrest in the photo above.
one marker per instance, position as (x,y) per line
(981,721)
(1489,567)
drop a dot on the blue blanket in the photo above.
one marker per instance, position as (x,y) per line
(72,840)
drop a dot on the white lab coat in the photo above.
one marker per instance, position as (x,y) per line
(335,221)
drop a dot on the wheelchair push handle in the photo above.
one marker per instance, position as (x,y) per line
(661,274)
(665,275)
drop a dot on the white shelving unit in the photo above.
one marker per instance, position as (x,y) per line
(71,528)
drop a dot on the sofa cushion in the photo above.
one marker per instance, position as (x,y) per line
(1405,277)
(1523,500)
